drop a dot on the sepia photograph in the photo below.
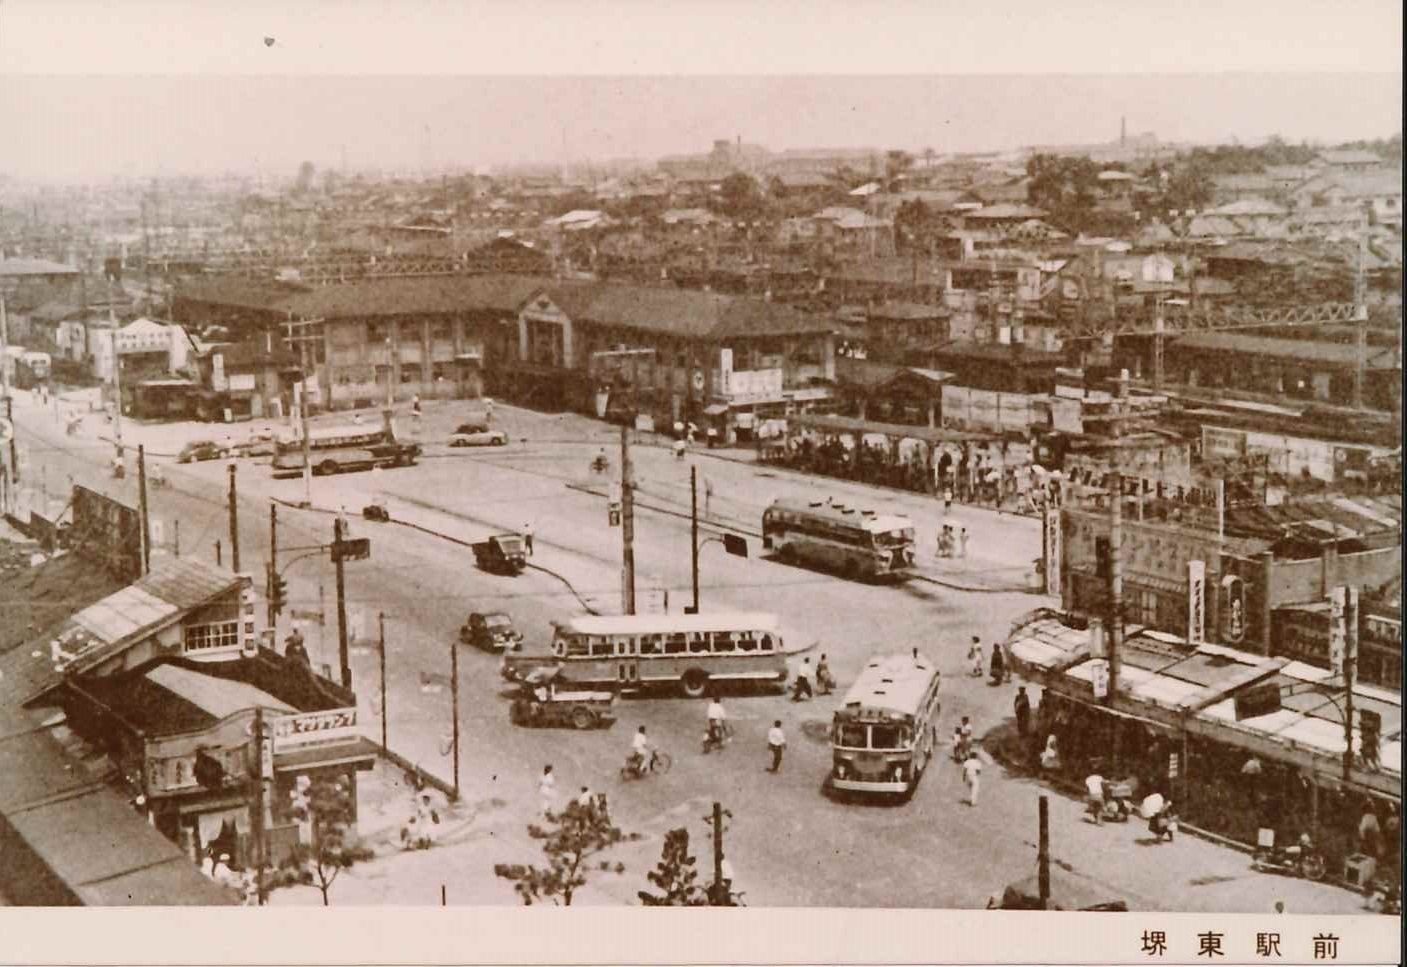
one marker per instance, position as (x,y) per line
(881,460)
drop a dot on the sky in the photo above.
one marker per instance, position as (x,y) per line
(153,87)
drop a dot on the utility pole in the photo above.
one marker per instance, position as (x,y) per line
(1350,674)
(303,420)
(1116,567)
(273,561)
(176,537)
(627,521)
(694,531)
(381,618)
(117,378)
(342,653)
(1360,319)
(1043,854)
(720,894)
(234,521)
(454,707)
(142,508)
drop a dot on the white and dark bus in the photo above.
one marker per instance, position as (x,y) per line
(633,651)
(885,732)
(857,543)
(339,449)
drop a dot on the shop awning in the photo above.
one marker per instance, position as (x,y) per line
(359,751)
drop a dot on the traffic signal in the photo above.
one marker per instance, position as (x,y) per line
(613,515)
(278,591)
(735,544)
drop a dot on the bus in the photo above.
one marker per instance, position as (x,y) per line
(885,732)
(634,651)
(857,543)
(337,449)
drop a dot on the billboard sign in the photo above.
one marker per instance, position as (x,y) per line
(109,530)
(1051,550)
(1338,629)
(1196,602)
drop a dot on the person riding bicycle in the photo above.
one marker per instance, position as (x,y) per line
(639,752)
(717,722)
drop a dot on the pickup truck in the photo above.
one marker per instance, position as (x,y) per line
(529,669)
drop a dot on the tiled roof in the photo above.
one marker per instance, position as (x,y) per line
(217,697)
(416,296)
(187,582)
(682,312)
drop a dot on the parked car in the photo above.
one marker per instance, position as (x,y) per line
(200,450)
(478,438)
(492,631)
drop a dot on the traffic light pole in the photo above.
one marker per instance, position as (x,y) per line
(1350,676)
(627,523)
(234,521)
(143,513)
(272,589)
(694,532)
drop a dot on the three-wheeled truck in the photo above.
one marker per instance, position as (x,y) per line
(501,553)
(551,700)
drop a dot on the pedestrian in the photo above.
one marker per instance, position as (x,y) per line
(998,666)
(825,681)
(1369,832)
(962,542)
(547,789)
(776,744)
(415,408)
(585,800)
(947,501)
(802,689)
(528,538)
(712,433)
(1050,757)
(1022,707)
(293,648)
(974,657)
(972,776)
(1094,797)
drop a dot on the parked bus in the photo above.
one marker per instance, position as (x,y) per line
(857,543)
(884,734)
(338,449)
(631,651)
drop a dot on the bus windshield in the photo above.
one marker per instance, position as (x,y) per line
(888,737)
(851,735)
(895,538)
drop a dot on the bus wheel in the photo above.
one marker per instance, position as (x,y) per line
(326,468)
(694,683)
(582,718)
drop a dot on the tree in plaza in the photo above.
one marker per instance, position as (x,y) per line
(740,196)
(328,806)
(675,875)
(571,840)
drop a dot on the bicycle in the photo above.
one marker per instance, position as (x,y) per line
(658,763)
(725,733)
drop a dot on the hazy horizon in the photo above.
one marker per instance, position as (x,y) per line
(85,128)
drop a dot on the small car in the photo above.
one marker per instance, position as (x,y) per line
(492,631)
(557,702)
(200,450)
(478,438)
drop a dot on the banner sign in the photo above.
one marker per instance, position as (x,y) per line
(314,728)
(1051,550)
(1338,629)
(1196,602)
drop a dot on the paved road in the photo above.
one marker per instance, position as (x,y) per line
(788,843)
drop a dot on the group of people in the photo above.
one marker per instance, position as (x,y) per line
(801,689)
(978,665)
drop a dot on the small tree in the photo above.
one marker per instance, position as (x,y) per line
(328,805)
(675,875)
(571,838)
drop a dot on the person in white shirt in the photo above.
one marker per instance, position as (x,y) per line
(776,744)
(639,751)
(716,719)
(547,789)
(972,775)
(1094,796)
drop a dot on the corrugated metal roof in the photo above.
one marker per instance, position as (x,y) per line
(187,582)
(218,697)
(121,614)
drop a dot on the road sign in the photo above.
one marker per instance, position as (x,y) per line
(355,549)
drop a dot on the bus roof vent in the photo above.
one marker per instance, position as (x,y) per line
(866,513)
(847,510)
(817,503)
(887,681)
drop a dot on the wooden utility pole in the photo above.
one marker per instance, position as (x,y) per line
(382,648)
(1043,854)
(720,892)
(142,508)
(234,521)
(694,531)
(343,656)
(627,521)
(1350,674)
(454,707)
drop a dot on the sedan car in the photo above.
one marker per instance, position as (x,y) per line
(200,450)
(479,438)
(493,631)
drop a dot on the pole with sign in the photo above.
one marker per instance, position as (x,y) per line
(1052,552)
(1350,668)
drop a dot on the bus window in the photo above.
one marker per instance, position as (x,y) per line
(698,643)
(768,642)
(888,737)
(625,645)
(851,736)
(747,641)
(651,644)
(725,642)
(676,644)
(602,646)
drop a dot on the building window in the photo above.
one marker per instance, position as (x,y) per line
(442,370)
(218,634)
(1148,608)
(410,374)
(377,332)
(442,331)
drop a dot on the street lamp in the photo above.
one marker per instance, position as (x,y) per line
(732,543)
